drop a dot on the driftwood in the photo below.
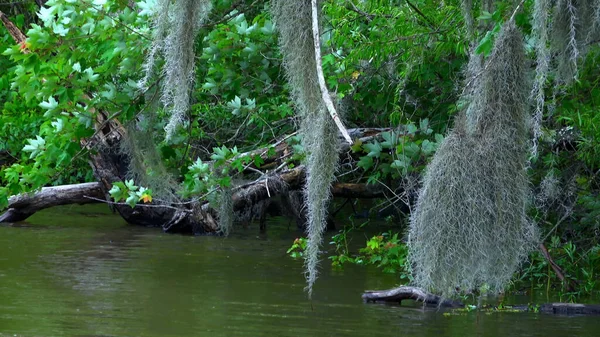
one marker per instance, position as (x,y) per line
(397,295)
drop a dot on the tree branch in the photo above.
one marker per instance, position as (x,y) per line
(16,34)
(324,92)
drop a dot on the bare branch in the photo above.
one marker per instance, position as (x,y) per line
(324,92)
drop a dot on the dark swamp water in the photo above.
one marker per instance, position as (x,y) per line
(81,271)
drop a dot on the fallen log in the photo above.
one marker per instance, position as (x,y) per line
(397,295)
(22,206)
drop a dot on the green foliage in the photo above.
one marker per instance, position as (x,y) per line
(130,193)
(388,66)
(298,247)
(241,82)
(384,251)
(80,61)
(392,64)
(580,267)
(399,153)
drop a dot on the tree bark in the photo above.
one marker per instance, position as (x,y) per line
(20,207)
(15,32)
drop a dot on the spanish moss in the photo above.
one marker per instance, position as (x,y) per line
(319,133)
(470,227)
(540,31)
(175,28)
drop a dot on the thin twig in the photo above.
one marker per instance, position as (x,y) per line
(516,10)
(420,13)
(140,205)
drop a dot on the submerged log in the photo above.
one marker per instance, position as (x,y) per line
(22,206)
(570,309)
(397,295)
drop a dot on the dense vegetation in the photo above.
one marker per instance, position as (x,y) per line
(400,65)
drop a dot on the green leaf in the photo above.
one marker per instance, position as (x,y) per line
(49,105)
(198,168)
(485,45)
(411,129)
(114,191)
(130,185)
(58,124)
(88,27)
(402,163)
(35,146)
(424,125)
(411,150)
(89,75)
(373,149)
(257,160)
(365,162)
(46,14)
(220,153)
(485,15)
(59,29)
(132,200)
(390,139)
(3,198)
(427,147)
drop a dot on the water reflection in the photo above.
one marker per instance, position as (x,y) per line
(67,274)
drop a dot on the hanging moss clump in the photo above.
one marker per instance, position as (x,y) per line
(175,28)
(540,31)
(319,133)
(470,226)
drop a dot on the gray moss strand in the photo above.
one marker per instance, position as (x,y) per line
(320,141)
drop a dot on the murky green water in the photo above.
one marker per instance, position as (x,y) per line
(82,272)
